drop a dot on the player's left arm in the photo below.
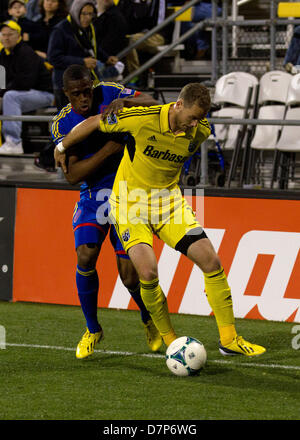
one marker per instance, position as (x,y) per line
(136,100)
(139,99)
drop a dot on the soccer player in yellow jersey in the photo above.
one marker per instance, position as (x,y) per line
(160,139)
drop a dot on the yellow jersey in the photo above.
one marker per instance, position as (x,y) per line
(153,159)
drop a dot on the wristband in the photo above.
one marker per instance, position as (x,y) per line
(60,147)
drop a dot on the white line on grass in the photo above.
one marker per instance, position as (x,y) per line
(160,356)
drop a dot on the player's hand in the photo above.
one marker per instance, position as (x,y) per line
(60,160)
(114,107)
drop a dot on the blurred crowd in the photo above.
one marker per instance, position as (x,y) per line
(39,39)
(95,31)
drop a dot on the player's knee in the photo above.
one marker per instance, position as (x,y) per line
(10,96)
(202,253)
(130,282)
(130,279)
(144,260)
(148,274)
(87,255)
(127,272)
(212,263)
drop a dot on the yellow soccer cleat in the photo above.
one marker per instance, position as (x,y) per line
(87,344)
(154,340)
(240,346)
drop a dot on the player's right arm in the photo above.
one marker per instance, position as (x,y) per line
(77,134)
(87,127)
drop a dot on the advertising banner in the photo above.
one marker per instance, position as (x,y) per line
(258,241)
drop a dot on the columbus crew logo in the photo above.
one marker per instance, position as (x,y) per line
(192,147)
(126,235)
(111,119)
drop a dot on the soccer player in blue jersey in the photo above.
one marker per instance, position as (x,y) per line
(95,164)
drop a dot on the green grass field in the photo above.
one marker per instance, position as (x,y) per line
(42,380)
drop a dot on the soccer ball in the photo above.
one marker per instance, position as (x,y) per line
(186,356)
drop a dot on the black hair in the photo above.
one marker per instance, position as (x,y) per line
(62,9)
(74,73)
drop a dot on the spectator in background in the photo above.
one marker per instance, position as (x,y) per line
(52,12)
(142,16)
(33,10)
(28,84)
(199,43)
(111,27)
(16,9)
(17,12)
(73,41)
(292,56)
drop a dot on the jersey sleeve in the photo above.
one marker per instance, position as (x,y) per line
(125,122)
(203,131)
(122,122)
(125,93)
(58,129)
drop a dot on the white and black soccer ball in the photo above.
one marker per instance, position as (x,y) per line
(186,356)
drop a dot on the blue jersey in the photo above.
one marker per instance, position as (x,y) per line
(68,118)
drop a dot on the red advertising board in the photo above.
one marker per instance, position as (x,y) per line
(258,241)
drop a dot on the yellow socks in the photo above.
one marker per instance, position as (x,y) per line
(218,295)
(219,298)
(227,334)
(156,304)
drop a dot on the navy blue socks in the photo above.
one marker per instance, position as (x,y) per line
(87,285)
(136,295)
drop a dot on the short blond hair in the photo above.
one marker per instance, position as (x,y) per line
(195,93)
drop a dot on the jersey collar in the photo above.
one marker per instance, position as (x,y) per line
(164,121)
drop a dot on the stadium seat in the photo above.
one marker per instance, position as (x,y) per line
(271,104)
(227,134)
(233,89)
(289,142)
(273,87)
(234,92)
(288,9)
(266,136)
(231,93)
